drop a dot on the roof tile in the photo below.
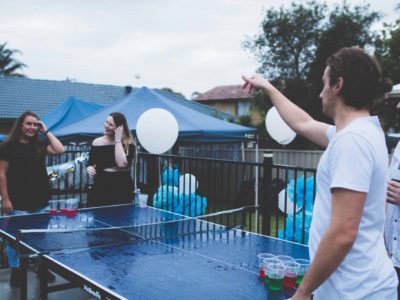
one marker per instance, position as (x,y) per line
(224,92)
(18,94)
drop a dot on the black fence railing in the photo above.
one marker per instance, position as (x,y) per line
(263,197)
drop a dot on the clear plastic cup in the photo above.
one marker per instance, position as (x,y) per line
(72,207)
(265,263)
(143,200)
(275,273)
(304,265)
(291,271)
(62,207)
(53,206)
(284,258)
(261,257)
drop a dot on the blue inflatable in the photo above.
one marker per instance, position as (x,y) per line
(170,197)
(170,177)
(304,209)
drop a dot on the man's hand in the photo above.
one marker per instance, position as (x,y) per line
(300,296)
(255,83)
(393,192)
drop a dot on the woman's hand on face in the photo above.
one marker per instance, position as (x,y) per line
(91,170)
(118,134)
(42,127)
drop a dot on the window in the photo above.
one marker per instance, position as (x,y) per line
(243,108)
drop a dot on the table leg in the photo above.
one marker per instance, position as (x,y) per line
(24,278)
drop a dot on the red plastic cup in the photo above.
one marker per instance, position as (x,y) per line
(63,207)
(261,257)
(53,207)
(72,207)
(291,271)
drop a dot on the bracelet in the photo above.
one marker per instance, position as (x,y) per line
(116,142)
(46,132)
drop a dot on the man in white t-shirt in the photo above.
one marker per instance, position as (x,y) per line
(392,225)
(349,259)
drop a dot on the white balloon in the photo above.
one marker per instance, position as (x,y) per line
(289,204)
(157,130)
(188,183)
(277,128)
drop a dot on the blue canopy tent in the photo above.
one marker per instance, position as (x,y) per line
(193,125)
(69,112)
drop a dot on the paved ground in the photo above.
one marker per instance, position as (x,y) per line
(9,293)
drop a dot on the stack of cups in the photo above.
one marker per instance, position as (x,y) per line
(282,271)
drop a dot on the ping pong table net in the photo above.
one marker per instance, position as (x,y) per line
(64,240)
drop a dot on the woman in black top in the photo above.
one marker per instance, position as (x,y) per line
(109,163)
(24,184)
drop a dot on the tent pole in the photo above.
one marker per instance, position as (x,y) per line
(135,164)
(242,152)
(256,185)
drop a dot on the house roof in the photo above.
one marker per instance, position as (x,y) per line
(18,94)
(196,106)
(224,92)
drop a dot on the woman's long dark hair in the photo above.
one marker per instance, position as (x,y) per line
(127,139)
(16,132)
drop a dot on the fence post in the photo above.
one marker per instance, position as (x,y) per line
(266,202)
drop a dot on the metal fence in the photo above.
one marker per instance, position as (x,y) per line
(265,197)
(304,158)
(73,182)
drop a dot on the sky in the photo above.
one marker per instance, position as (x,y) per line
(187,45)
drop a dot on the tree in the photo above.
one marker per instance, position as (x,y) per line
(9,66)
(346,28)
(387,50)
(169,90)
(295,43)
(286,45)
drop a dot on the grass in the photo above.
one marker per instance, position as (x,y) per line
(235,219)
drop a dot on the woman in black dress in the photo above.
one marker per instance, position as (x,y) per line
(109,163)
(24,184)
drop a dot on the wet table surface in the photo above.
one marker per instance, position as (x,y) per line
(130,252)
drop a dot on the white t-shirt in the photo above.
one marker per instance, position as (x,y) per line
(356,159)
(392,225)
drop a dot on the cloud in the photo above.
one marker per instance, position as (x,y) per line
(182,44)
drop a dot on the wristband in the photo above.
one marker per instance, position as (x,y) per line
(116,142)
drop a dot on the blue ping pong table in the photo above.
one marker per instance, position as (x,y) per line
(147,253)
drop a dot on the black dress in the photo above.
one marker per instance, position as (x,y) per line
(27,181)
(110,187)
